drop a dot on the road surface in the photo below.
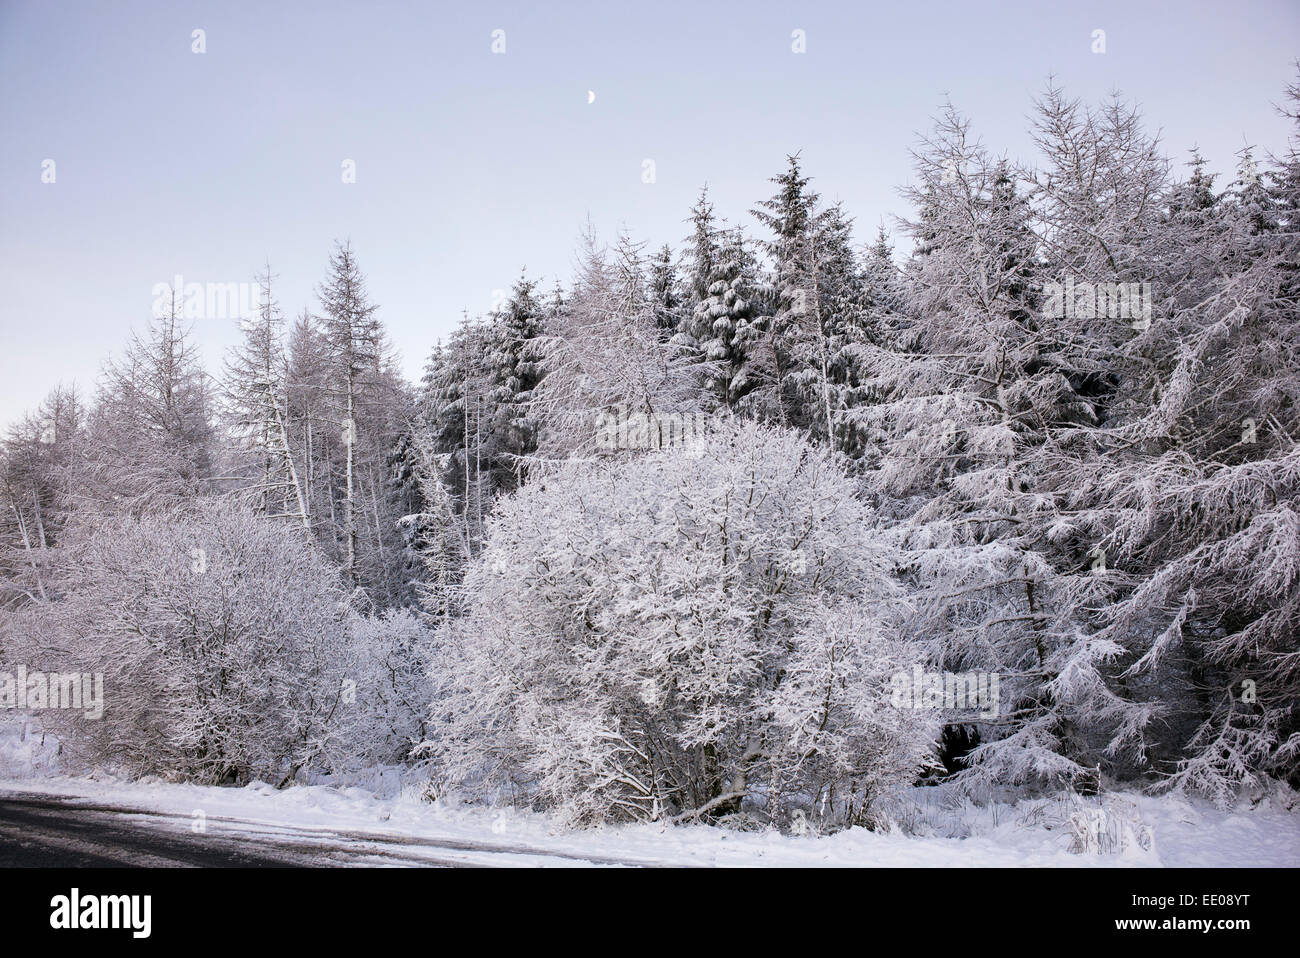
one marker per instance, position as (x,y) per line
(38,830)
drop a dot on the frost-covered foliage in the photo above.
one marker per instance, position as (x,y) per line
(227,649)
(682,634)
(148,441)
(1100,506)
(717,337)
(1055,441)
(386,692)
(1189,479)
(966,408)
(603,351)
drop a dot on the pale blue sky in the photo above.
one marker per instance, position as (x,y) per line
(471,165)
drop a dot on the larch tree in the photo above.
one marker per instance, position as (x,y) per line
(355,341)
(256,386)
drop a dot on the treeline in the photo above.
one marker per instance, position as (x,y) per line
(1064,427)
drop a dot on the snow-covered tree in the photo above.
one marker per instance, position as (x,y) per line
(514,359)
(720,332)
(1197,488)
(220,638)
(149,440)
(36,459)
(456,428)
(255,380)
(603,352)
(355,341)
(665,293)
(677,635)
(969,403)
(228,651)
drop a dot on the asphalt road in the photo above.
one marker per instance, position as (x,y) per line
(44,831)
(49,832)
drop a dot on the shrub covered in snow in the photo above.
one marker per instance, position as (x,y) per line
(227,647)
(384,715)
(695,633)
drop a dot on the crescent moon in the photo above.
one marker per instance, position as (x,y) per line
(591,97)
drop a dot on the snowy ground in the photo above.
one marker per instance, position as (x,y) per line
(386,823)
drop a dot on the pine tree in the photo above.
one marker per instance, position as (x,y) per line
(966,405)
(790,216)
(721,331)
(515,361)
(457,413)
(1198,489)
(665,293)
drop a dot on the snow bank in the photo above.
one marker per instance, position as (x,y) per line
(935,828)
(26,751)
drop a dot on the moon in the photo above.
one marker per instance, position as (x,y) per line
(591,97)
